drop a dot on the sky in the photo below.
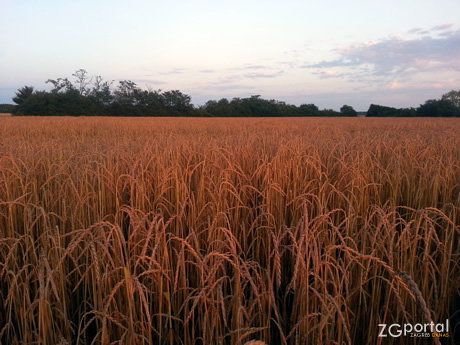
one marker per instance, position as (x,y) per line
(329,53)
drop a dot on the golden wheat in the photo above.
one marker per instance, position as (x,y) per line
(227,231)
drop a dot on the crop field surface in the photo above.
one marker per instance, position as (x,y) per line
(224,230)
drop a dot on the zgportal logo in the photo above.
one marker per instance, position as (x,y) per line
(419,330)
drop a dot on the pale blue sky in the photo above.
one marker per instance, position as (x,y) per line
(330,53)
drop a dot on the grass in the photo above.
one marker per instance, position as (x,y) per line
(223,231)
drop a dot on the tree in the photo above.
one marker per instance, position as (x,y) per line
(100,93)
(6,108)
(309,110)
(61,84)
(438,108)
(153,99)
(127,92)
(453,97)
(38,103)
(407,112)
(82,81)
(219,108)
(376,110)
(329,112)
(347,110)
(177,102)
(22,94)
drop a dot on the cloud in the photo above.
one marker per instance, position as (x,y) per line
(249,67)
(443,27)
(259,75)
(396,56)
(415,31)
(149,81)
(227,87)
(203,92)
(419,31)
(223,83)
(253,71)
(173,71)
(326,73)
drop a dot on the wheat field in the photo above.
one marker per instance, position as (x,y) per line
(224,231)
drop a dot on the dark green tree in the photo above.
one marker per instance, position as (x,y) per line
(452,96)
(61,85)
(22,94)
(177,103)
(100,93)
(308,110)
(438,108)
(348,110)
(127,93)
(329,112)
(219,108)
(6,108)
(376,110)
(407,112)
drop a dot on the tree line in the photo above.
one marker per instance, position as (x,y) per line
(447,106)
(94,96)
(6,108)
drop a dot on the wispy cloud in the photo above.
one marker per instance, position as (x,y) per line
(230,87)
(325,73)
(172,71)
(443,27)
(149,81)
(249,67)
(253,66)
(251,71)
(396,56)
(203,92)
(223,83)
(416,31)
(258,75)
